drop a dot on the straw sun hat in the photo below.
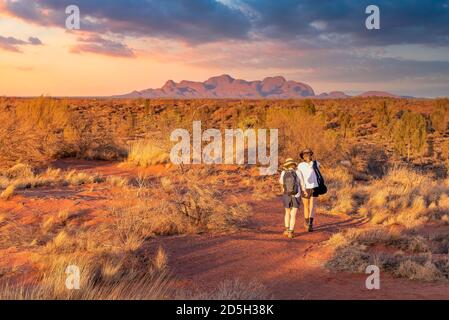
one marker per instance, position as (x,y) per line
(289,163)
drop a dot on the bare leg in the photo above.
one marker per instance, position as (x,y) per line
(305,203)
(293,213)
(312,207)
(287,218)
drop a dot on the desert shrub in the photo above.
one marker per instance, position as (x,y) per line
(251,121)
(414,244)
(443,266)
(298,130)
(352,254)
(445,150)
(20,142)
(415,270)
(439,116)
(346,122)
(36,131)
(85,137)
(173,205)
(44,112)
(409,134)
(203,205)
(350,258)
(308,107)
(383,118)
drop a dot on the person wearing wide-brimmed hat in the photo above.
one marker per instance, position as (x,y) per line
(308,182)
(290,197)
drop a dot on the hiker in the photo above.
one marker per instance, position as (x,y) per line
(290,196)
(309,177)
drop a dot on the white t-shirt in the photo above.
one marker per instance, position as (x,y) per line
(307,176)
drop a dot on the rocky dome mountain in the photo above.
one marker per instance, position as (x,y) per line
(378,94)
(226,87)
(333,95)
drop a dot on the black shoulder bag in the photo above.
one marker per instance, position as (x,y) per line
(321,189)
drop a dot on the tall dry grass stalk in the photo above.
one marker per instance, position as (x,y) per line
(143,153)
(8,193)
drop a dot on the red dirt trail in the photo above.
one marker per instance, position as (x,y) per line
(289,269)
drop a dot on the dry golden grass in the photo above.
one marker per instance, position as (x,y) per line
(8,193)
(117,181)
(398,205)
(113,256)
(79,178)
(99,280)
(340,198)
(173,205)
(407,198)
(109,268)
(144,153)
(161,260)
(22,176)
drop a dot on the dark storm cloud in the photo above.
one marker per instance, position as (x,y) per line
(198,21)
(14,44)
(402,21)
(192,21)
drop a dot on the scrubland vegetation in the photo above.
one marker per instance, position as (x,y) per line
(385,161)
(115,255)
(407,213)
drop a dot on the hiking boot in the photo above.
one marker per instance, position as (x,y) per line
(291,234)
(306,223)
(310,226)
(286,232)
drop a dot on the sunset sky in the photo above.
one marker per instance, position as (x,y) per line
(127,45)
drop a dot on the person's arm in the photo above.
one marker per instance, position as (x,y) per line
(302,184)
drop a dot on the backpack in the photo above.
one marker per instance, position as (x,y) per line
(290,183)
(322,188)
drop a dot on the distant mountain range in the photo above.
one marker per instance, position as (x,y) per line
(226,87)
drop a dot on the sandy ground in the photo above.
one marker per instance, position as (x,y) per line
(288,268)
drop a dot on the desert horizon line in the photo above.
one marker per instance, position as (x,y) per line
(333,94)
